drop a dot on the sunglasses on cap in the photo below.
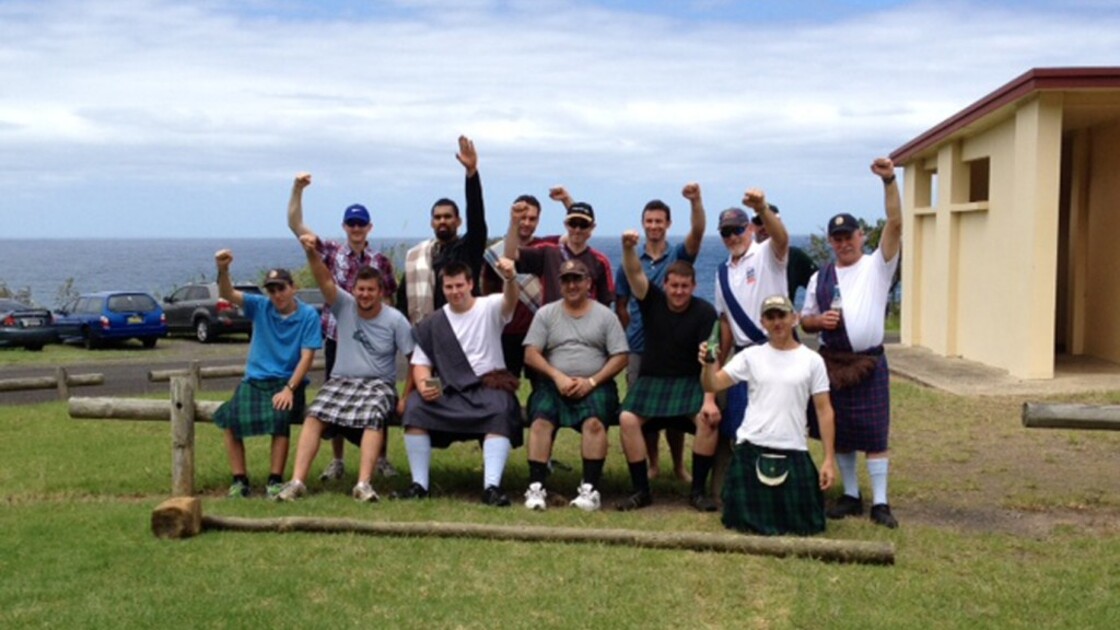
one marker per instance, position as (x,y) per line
(356,223)
(579,224)
(728,231)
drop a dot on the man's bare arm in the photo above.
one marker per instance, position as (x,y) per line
(223,259)
(890,242)
(295,205)
(698,220)
(632,266)
(511,292)
(755,199)
(319,269)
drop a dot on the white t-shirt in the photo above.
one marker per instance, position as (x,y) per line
(864,289)
(755,277)
(479,332)
(780,383)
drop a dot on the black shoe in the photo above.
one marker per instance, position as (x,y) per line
(494,496)
(845,506)
(415,491)
(881,515)
(636,501)
(702,503)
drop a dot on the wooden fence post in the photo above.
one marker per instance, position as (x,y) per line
(196,374)
(63,385)
(182,436)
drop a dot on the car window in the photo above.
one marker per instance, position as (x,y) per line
(131,302)
(89,305)
(181,294)
(200,293)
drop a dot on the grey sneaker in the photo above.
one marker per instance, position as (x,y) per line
(238,490)
(289,492)
(334,471)
(273,490)
(385,469)
(365,493)
(588,499)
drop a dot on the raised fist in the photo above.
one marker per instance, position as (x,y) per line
(883,167)
(755,199)
(558,193)
(691,191)
(303,180)
(629,239)
(223,258)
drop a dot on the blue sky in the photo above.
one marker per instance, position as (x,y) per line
(150,118)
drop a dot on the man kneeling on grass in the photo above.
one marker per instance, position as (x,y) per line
(271,397)
(463,391)
(772,486)
(361,394)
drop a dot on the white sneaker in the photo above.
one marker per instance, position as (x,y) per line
(335,470)
(365,493)
(536,497)
(291,491)
(588,499)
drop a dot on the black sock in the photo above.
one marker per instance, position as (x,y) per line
(275,478)
(592,471)
(538,472)
(242,478)
(701,466)
(639,476)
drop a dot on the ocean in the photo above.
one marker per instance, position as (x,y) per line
(45,266)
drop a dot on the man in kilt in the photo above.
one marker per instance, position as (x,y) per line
(462,389)
(667,393)
(772,486)
(271,396)
(361,394)
(846,302)
(577,346)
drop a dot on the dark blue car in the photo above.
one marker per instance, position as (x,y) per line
(95,318)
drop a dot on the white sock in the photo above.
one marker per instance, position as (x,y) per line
(877,469)
(495,452)
(846,462)
(419,449)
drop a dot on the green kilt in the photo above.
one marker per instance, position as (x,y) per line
(250,411)
(796,506)
(665,397)
(547,403)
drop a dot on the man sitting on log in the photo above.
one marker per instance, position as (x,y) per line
(578,346)
(286,335)
(361,394)
(462,389)
(667,393)
(772,486)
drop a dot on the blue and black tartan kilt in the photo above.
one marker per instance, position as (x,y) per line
(547,403)
(250,411)
(665,397)
(794,507)
(863,412)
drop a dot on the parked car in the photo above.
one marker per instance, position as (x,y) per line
(197,309)
(313,297)
(24,325)
(95,318)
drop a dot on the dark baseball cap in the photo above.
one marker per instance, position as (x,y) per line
(278,276)
(777,303)
(356,212)
(842,223)
(581,210)
(733,217)
(573,268)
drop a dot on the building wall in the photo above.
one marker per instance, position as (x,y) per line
(1102,314)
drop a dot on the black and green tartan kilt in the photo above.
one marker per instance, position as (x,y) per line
(794,507)
(665,397)
(547,403)
(250,411)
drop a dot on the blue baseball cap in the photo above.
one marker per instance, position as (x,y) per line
(356,212)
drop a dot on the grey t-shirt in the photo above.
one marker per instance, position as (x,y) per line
(367,348)
(577,346)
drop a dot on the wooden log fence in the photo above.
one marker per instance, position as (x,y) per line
(182,517)
(1071,416)
(61,380)
(217,371)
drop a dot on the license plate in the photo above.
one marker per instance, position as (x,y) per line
(136,319)
(32,323)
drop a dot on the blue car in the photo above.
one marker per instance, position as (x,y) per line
(96,318)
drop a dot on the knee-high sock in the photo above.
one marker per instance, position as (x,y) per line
(495,452)
(419,449)
(877,470)
(846,462)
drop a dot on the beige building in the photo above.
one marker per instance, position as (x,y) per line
(1011,212)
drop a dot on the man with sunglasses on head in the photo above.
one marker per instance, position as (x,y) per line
(752,272)
(343,260)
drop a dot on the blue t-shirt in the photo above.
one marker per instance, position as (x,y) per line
(655,272)
(277,340)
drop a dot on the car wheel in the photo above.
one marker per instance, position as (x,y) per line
(89,341)
(34,347)
(202,330)
(149,342)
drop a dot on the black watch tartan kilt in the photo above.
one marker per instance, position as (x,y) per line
(794,507)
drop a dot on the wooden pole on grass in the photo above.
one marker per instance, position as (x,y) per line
(182,435)
(1070,416)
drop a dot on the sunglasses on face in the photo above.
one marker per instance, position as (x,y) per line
(579,224)
(355,223)
(275,288)
(729,231)
(571,279)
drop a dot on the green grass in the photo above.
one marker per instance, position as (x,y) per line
(76,550)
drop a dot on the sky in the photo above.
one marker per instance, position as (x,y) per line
(161,119)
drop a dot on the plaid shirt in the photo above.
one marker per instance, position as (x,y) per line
(344,263)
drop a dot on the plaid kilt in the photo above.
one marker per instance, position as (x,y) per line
(360,403)
(794,507)
(863,412)
(250,410)
(665,397)
(547,403)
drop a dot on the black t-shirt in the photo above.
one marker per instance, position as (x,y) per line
(673,339)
